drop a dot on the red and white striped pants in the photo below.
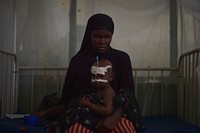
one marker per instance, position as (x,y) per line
(123,126)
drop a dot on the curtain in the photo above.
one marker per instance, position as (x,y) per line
(189,25)
(7,26)
(44,31)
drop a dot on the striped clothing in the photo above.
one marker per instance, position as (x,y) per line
(123,126)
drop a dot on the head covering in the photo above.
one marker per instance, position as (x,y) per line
(96,22)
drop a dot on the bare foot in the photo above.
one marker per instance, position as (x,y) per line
(22,128)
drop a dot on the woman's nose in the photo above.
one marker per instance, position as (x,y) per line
(102,40)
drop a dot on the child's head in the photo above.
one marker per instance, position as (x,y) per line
(101,73)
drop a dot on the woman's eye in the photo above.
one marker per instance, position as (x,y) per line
(107,37)
(97,37)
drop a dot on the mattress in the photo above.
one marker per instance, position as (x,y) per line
(168,124)
(154,124)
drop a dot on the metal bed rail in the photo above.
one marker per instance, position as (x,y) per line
(35,83)
(189,89)
(8,83)
(155,89)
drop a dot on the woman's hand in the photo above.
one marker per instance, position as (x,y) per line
(109,123)
(53,111)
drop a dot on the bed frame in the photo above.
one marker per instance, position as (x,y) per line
(8,83)
(184,118)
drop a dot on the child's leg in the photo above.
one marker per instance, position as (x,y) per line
(71,117)
(66,131)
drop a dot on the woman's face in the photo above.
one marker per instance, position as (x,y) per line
(100,40)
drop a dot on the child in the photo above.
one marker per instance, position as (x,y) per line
(90,109)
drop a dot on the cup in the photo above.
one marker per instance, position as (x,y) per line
(31,120)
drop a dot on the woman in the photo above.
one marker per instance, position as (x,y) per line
(96,45)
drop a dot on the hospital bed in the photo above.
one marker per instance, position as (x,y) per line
(170,118)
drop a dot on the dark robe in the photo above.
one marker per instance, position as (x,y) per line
(77,82)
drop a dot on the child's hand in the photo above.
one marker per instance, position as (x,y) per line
(84,101)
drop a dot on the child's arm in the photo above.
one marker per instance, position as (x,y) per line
(104,109)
